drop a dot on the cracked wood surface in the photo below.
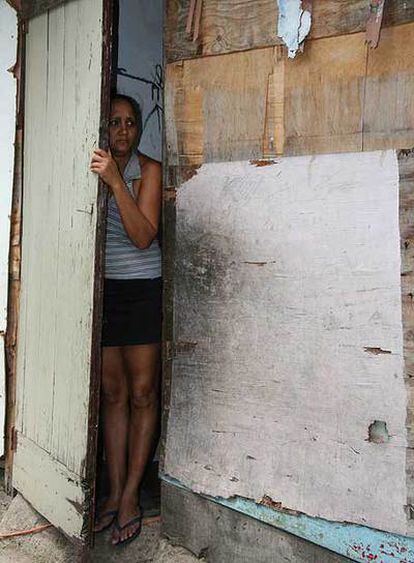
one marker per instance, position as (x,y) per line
(338,96)
(285,276)
(62,119)
(238,25)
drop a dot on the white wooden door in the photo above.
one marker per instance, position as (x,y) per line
(53,465)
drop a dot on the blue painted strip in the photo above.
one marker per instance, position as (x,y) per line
(359,543)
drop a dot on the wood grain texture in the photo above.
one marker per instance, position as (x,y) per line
(389,101)
(225,27)
(237,25)
(324,92)
(42,480)
(13,297)
(286,276)
(62,121)
(223,536)
(109,23)
(338,96)
(406,172)
(216,107)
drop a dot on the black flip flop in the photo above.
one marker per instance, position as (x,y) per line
(135,520)
(112,513)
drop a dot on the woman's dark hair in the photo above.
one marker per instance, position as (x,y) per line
(135,108)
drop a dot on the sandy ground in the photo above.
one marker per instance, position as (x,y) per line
(50,546)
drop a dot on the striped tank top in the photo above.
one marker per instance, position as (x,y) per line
(124,260)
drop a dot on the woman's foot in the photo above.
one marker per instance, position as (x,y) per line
(106,514)
(128,522)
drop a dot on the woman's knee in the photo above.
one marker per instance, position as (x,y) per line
(114,391)
(143,395)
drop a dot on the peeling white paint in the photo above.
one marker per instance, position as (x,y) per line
(293,25)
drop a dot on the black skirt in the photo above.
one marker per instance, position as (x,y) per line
(132,312)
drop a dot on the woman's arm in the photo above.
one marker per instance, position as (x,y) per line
(140,216)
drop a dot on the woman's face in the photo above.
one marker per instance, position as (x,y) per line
(123,129)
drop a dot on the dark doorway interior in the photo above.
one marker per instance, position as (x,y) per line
(137,71)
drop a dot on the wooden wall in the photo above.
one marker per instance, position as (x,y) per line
(338,96)
(233,95)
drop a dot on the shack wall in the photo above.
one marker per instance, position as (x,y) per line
(287,373)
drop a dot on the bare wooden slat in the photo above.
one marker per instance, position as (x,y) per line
(225,27)
(34,152)
(406,211)
(324,89)
(237,25)
(219,106)
(389,101)
(13,298)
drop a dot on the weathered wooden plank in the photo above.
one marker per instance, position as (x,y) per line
(13,297)
(341,17)
(274,134)
(34,152)
(388,120)
(237,25)
(285,257)
(63,101)
(335,97)
(219,107)
(109,23)
(47,199)
(324,91)
(222,535)
(76,226)
(406,172)
(225,27)
(42,480)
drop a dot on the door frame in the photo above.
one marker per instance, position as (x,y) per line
(27,9)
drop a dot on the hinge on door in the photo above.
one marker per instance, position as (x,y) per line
(14,439)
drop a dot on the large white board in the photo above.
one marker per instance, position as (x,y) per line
(288,337)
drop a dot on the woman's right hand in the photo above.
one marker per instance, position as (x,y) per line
(105,166)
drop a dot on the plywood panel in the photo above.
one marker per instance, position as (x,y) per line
(288,337)
(219,106)
(62,120)
(338,96)
(225,27)
(324,91)
(237,25)
(389,100)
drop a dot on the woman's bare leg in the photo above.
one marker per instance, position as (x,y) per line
(142,365)
(115,426)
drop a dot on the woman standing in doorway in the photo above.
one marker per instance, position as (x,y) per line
(132,316)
